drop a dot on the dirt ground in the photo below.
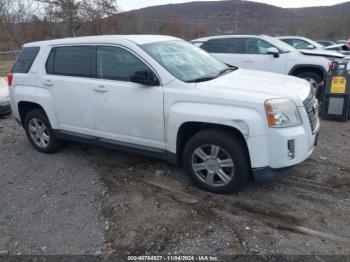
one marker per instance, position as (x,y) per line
(88,200)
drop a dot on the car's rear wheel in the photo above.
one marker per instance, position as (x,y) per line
(217,161)
(40,133)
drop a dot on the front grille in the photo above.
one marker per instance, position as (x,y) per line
(311,106)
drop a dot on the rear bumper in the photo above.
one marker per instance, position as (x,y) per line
(267,174)
(5,109)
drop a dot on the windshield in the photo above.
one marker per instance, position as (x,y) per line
(279,44)
(185,61)
(314,43)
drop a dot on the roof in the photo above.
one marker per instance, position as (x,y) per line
(291,36)
(225,36)
(136,39)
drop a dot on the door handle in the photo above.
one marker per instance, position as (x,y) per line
(101,89)
(48,83)
(248,61)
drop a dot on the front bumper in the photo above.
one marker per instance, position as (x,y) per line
(267,174)
(5,109)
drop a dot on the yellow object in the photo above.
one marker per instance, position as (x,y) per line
(338,85)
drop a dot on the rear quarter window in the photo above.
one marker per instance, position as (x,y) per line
(25,60)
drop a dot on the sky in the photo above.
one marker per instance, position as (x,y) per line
(126,5)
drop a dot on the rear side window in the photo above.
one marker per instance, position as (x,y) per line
(25,60)
(70,61)
(223,46)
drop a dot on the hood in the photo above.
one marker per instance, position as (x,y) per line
(258,86)
(321,52)
(334,46)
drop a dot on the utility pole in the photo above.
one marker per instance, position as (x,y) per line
(237,15)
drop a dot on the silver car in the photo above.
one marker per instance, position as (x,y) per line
(5,107)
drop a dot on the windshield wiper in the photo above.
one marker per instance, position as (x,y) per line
(226,70)
(202,79)
(208,78)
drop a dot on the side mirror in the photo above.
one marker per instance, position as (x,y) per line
(273,51)
(310,47)
(145,77)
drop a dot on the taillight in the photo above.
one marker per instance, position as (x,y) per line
(9,79)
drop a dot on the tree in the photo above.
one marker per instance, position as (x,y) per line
(98,15)
(199,31)
(15,20)
(66,11)
(175,27)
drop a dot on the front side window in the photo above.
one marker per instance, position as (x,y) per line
(223,46)
(70,61)
(116,63)
(256,46)
(185,61)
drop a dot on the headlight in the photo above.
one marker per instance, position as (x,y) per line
(282,113)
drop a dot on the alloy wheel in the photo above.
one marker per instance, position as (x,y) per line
(212,165)
(39,133)
(312,82)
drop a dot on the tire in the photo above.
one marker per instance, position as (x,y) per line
(230,147)
(314,79)
(319,92)
(40,133)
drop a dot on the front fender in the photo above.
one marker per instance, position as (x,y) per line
(246,120)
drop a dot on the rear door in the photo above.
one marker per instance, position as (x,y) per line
(68,78)
(228,50)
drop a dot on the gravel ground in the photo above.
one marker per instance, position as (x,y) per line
(87,200)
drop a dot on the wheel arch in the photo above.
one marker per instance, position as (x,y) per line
(26,106)
(298,69)
(188,129)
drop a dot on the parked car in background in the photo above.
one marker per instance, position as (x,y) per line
(325,42)
(341,42)
(269,54)
(310,46)
(5,107)
(300,42)
(163,97)
(341,48)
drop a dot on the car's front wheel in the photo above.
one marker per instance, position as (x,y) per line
(217,161)
(313,78)
(40,133)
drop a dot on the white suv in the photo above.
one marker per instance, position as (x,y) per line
(166,98)
(268,54)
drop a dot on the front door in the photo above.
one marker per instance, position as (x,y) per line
(256,57)
(125,111)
